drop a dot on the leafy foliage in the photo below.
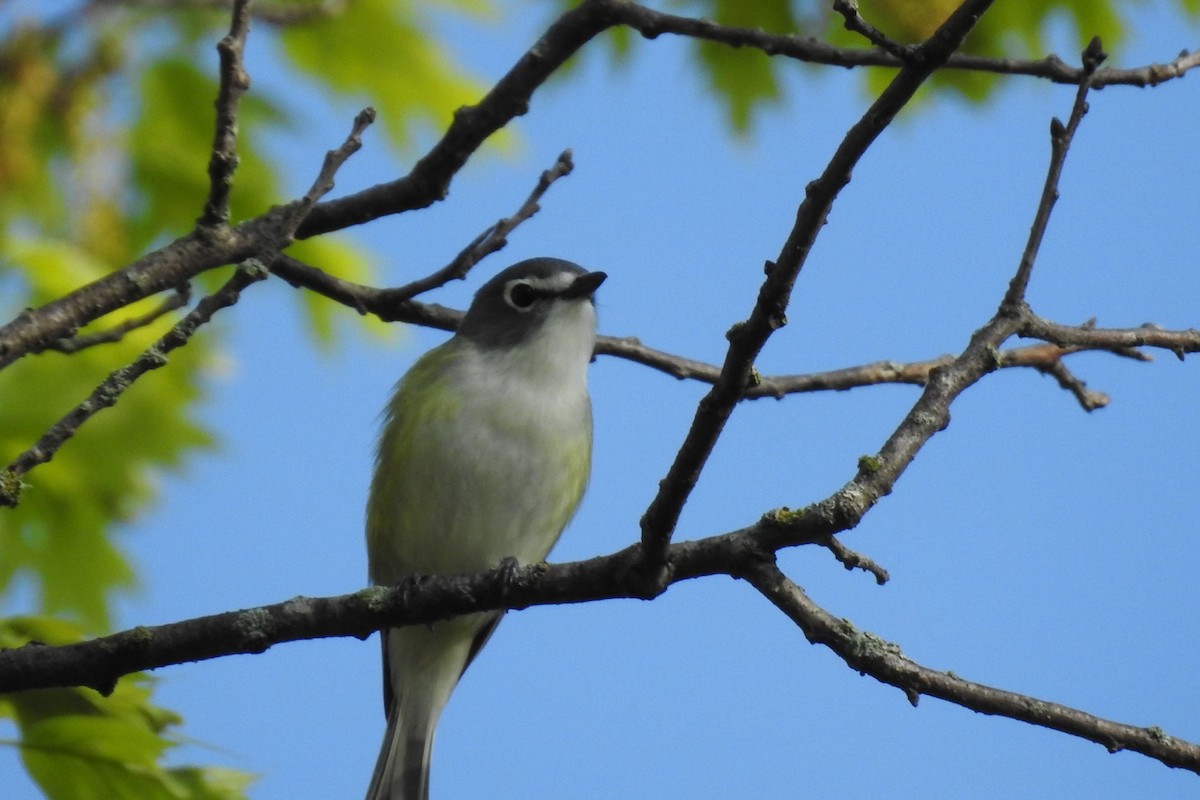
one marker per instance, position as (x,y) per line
(79,745)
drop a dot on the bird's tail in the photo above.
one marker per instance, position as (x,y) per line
(402,771)
(421,666)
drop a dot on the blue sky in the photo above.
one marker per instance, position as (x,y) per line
(1032,546)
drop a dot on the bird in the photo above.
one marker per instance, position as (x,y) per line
(482,459)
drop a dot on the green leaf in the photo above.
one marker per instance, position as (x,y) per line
(59,536)
(169,148)
(416,82)
(79,745)
(744,79)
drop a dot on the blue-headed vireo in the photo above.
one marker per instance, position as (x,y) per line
(484,456)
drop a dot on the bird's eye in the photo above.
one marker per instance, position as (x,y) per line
(520,295)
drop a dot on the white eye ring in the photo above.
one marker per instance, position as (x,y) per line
(520,295)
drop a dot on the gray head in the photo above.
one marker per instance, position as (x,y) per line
(521,300)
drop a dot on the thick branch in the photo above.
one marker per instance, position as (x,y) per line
(429,179)
(100,662)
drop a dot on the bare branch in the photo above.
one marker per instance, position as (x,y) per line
(746,339)
(1045,358)
(111,389)
(100,662)
(1060,142)
(852,560)
(652,24)
(855,22)
(116,333)
(430,177)
(488,242)
(396,305)
(866,653)
(1116,340)
(234,83)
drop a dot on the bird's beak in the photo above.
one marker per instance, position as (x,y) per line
(584,286)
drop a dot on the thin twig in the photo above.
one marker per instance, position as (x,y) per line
(488,242)
(73,344)
(396,305)
(855,22)
(852,560)
(1061,137)
(120,380)
(334,159)
(1089,399)
(1115,340)
(234,83)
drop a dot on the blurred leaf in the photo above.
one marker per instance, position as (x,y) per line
(381,53)
(46,100)
(743,78)
(79,745)
(58,537)
(169,145)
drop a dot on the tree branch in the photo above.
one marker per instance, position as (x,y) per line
(1112,339)
(429,179)
(34,330)
(234,83)
(652,24)
(870,655)
(746,339)
(488,242)
(855,22)
(931,413)
(110,390)
(1045,358)
(112,387)
(73,344)
(100,662)
(1061,137)
(396,305)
